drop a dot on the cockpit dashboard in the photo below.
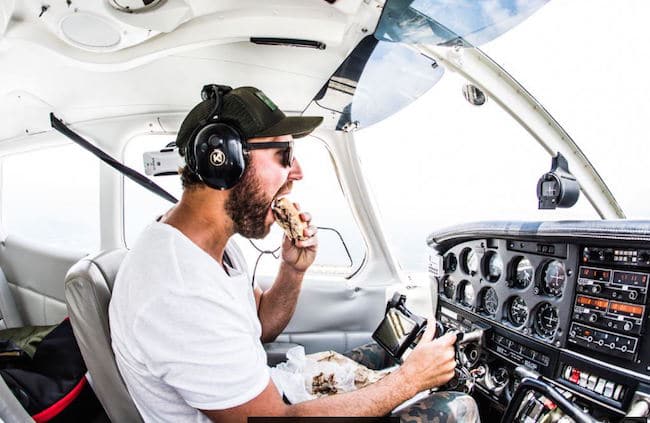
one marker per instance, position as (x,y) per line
(567,300)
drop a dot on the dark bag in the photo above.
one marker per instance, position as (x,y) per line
(43,367)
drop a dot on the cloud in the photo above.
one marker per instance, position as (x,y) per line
(478,21)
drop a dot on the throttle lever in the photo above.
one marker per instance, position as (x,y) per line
(463,338)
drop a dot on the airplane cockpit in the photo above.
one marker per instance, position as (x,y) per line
(484,159)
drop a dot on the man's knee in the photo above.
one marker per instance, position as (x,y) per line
(442,407)
(371,355)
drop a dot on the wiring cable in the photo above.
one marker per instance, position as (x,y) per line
(275,254)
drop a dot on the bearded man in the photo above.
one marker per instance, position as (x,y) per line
(187,326)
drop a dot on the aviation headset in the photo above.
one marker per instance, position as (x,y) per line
(215,150)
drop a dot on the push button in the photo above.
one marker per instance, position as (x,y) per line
(618,392)
(567,372)
(591,384)
(600,386)
(609,389)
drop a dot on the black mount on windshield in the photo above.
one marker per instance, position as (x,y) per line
(558,188)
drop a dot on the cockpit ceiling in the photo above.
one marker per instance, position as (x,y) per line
(172,83)
(103,26)
(41,71)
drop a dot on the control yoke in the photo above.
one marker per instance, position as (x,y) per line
(531,380)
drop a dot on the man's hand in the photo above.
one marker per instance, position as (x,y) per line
(299,255)
(432,361)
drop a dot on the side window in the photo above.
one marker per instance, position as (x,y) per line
(51,196)
(341,248)
(141,207)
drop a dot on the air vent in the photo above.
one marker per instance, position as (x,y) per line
(134,6)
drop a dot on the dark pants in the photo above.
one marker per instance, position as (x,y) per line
(439,407)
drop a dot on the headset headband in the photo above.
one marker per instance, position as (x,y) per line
(216,92)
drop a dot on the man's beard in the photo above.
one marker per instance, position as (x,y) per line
(248,207)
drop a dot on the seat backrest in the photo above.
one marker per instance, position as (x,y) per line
(9,315)
(88,288)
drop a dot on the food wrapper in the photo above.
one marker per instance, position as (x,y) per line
(305,377)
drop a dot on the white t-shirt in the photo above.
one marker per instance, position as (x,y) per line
(185,333)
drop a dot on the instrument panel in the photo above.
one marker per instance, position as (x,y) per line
(521,290)
(575,310)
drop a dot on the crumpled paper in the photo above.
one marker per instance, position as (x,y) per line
(304,377)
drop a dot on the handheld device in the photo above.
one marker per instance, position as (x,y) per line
(400,329)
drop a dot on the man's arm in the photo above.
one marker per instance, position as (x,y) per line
(276,305)
(430,364)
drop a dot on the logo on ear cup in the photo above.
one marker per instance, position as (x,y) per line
(217,158)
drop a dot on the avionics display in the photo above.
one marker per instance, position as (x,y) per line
(594,274)
(609,311)
(631,278)
(595,303)
(625,309)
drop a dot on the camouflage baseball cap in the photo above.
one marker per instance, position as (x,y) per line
(251,112)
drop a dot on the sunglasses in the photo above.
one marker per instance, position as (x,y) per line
(286,146)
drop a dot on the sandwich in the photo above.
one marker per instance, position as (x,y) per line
(288,217)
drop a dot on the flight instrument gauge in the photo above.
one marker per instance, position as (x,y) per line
(449,288)
(547,320)
(470,261)
(554,278)
(517,311)
(524,273)
(466,295)
(489,301)
(493,266)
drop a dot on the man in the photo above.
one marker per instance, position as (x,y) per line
(187,326)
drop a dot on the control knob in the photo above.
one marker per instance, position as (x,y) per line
(633,295)
(627,326)
(593,317)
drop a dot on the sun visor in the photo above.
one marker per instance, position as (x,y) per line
(387,71)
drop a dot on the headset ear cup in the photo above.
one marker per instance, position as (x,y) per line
(218,155)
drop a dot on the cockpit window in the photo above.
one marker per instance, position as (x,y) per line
(428,167)
(49,196)
(590,74)
(472,22)
(341,247)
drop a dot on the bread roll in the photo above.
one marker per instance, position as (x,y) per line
(288,217)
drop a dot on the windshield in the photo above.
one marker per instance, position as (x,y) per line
(441,160)
(442,21)
(591,73)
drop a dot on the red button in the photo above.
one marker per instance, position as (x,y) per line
(575,376)
(549,404)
